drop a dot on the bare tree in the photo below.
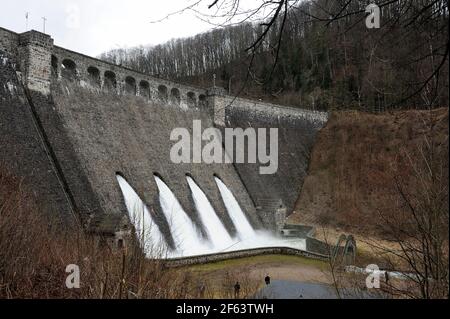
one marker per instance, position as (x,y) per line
(418,225)
(285,50)
(425,19)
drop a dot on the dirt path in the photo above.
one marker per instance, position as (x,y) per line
(289,272)
(220,277)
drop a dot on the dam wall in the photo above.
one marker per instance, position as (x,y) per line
(24,151)
(131,136)
(297,129)
(83,121)
(101,75)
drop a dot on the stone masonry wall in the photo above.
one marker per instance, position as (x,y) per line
(83,63)
(131,135)
(23,150)
(37,53)
(95,131)
(297,130)
(100,119)
(9,41)
(204,259)
(224,105)
(34,54)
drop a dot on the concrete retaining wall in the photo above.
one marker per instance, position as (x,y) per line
(204,259)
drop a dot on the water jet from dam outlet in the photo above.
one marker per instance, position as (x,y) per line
(215,229)
(188,239)
(150,237)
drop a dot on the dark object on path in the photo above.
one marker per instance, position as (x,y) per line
(237,288)
(267,280)
(202,289)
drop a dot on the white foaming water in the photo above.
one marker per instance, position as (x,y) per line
(187,238)
(248,237)
(147,231)
(262,239)
(218,235)
(243,227)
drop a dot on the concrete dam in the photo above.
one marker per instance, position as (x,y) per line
(90,142)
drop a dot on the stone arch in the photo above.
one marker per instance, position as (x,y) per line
(191,99)
(121,174)
(350,250)
(130,85)
(202,100)
(144,89)
(189,175)
(110,81)
(337,248)
(162,93)
(175,97)
(69,70)
(94,76)
(55,65)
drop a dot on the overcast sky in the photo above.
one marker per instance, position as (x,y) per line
(95,26)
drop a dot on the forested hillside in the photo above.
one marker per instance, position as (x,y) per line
(322,63)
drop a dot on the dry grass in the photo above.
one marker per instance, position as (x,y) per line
(35,251)
(260,260)
(220,277)
(354,164)
(384,178)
